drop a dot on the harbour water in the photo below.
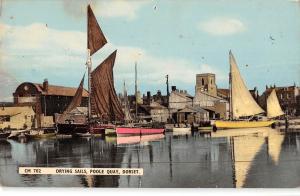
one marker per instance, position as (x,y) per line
(258,158)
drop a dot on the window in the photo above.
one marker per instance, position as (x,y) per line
(202,81)
(5,118)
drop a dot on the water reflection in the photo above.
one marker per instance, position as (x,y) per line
(261,157)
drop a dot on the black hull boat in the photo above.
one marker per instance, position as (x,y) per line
(4,135)
(71,129)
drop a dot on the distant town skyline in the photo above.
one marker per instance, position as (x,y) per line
(47,39)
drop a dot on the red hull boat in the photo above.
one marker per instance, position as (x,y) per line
(138,130)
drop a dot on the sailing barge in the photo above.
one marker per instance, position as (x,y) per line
(103,105)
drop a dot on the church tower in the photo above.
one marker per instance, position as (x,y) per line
(206,82)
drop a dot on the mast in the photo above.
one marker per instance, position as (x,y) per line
(125,100)
(89,66)
(168,95)
(230,90)
(95,41)
(136,105)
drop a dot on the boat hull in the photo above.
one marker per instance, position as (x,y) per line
(40,136)
(219,124)
(181,129)
(138,130)
(69,129)
(4,135)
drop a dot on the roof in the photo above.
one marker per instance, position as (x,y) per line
(223,92)
(79,110)
(192,109)
(155,105)
(290,89)
(209,95)
(182,94)
(59,90)
(212,109)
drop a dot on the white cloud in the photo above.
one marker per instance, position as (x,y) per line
(60,56)
(107,8)
(222,26)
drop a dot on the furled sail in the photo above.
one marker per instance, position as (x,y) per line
(242,101)
(96,38)
(273,106)
(105,103)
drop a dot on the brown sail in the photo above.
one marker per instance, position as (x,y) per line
(105,103)
(96,38)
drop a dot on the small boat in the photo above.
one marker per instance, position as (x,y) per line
(181,129)
(4,135)
(138,130)
(87,134)
(39,134)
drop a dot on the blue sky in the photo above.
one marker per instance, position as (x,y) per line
(47,39)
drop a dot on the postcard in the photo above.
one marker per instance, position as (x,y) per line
(150,94)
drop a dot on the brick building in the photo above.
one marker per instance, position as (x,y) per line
(46,99)
(288,98)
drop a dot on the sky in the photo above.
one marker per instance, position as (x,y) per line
(47,39)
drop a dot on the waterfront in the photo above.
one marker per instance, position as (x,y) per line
(260,157)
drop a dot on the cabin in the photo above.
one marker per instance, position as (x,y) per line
(193,114)
(46,99)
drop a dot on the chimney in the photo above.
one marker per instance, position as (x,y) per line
(45,85)
(148,96)
(158,93)
(173,88)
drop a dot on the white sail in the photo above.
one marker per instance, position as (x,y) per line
(243,104)
(273,106)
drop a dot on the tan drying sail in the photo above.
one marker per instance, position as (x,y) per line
(242,101)
(273,106)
